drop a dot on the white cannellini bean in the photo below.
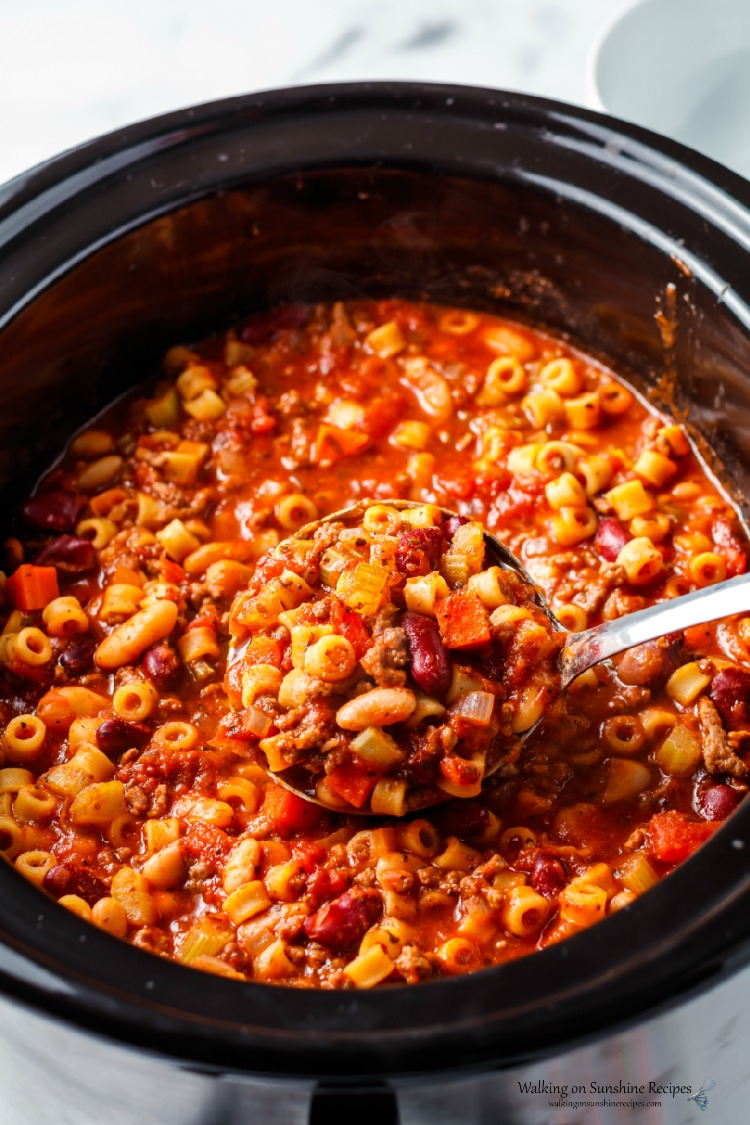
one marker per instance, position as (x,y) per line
(377,708)
(126,643)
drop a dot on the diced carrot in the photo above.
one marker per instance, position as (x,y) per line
(128,577)
(463,620)
(225,524)
(353,784)
(352,626)
(699,636)
(331,444)
(264,650)
(673,837)
(55,711)
(169,903)
(32,587)
(289,812)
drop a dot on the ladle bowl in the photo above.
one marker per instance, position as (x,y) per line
(581,650)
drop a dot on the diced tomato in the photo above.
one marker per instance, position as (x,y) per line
(352,783)
(457,481)
(331,444)
(493,482)
(513,503)
(233,681)
(463,620)
(736,563)
(262,421)
(324,883)
(352,626)
(727,539)
(207,843)
(673,837)
(310,854)
(382,413)
(32,587)
(289,812)
(264,650)
(270,566)
(459,772)
(171,571)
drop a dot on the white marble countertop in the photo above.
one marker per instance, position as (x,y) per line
(72,70)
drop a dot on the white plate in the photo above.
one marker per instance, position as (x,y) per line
(682,68)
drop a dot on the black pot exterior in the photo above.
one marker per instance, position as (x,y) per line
(632,245)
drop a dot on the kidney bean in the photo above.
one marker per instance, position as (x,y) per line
(451,526)
(730,691)
(430,663)
(641,665)
(464,819)
(610,538)
(72,879)
(343,921)
(548,875)
(115,736)
(418,550)
(651,662)
(162,665)
(69,553)
(54,511)
(76,658)
(716,802)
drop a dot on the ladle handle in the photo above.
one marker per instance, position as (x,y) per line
(674,616)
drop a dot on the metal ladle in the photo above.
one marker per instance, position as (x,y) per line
(582,650)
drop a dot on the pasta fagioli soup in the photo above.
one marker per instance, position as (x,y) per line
(131,787)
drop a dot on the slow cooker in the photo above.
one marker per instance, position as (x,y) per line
(632,246)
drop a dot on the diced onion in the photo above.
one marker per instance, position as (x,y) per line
(257,722)
(475,707)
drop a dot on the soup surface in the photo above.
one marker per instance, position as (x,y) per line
(130,786)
